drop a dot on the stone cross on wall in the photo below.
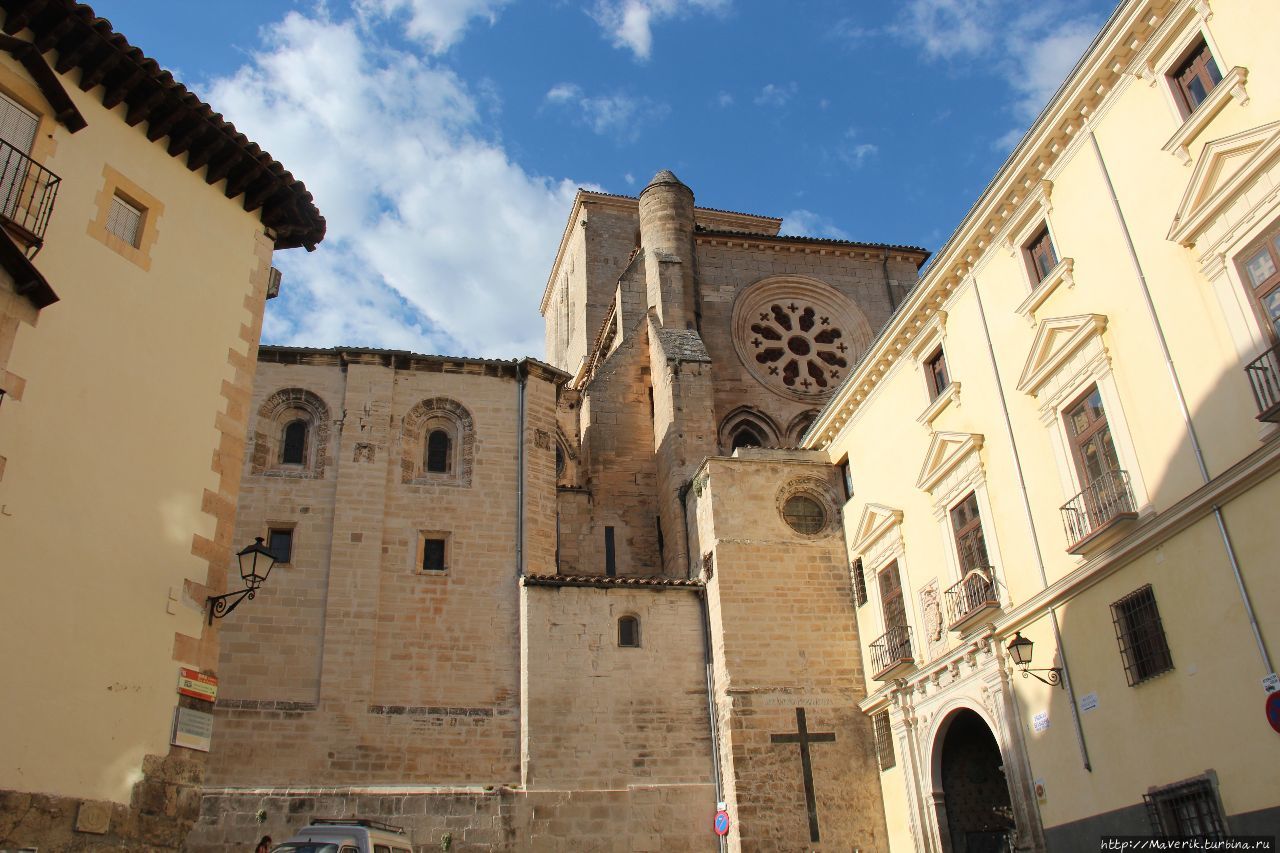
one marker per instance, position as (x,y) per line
(804,737)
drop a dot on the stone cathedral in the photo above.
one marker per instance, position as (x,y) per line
(576,603)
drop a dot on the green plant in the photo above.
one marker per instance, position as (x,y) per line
(446,842)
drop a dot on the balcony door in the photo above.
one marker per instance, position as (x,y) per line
(1262,268)
(17,133)
(895,610)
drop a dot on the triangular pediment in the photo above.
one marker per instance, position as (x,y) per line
(946,450)
(1056,339)
(876,520)
(1226,167)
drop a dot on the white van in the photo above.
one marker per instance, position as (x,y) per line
(347,835)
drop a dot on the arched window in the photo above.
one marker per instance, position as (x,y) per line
(559,460)
(438,447)
(293,445)
(629,632)
(746,436)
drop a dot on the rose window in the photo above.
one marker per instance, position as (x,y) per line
(800,346)
(797,336)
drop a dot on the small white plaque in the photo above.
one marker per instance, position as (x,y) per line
(1040,721)
(1271,683)
(1088,701)
(192,729)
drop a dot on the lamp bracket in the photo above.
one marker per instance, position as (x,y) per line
(221,605)
(1054,678)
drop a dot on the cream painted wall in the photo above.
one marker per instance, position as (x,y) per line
(1206,712)
(108,455)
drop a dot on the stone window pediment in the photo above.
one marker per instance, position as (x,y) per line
(454,457)
(947,450)
(1226,169)
(1057,340)
(876,521)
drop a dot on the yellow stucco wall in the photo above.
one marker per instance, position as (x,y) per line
(108,456)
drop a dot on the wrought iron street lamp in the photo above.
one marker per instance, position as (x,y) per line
(256,563)
(1020,649)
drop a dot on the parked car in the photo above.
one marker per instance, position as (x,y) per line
(347,835)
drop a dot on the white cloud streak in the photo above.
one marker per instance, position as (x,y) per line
(629,23)
(615,115)
(776,94)
(806,223)
(437,241)
(1032,46)
(438,24)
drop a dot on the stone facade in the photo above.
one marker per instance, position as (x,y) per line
(625,631)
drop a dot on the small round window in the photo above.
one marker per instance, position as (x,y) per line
(804,514)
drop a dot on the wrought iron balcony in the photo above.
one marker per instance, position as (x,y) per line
(27,193)
(970,599)
(891,653)
(1099,514)
(1264,378)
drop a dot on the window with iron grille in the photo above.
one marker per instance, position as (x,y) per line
(1188,808)
(936,371)
(1044,257)
(1197,76)
(1140,633)
(884,740)
(859,584)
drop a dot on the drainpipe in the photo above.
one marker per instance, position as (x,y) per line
(1183,410)
(1031,528)
(521,372)
(708,661)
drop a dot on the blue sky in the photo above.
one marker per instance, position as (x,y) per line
(443,139)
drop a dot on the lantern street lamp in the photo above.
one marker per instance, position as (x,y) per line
(1020,649)
(256,563)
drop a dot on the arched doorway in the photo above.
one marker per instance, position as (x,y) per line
(976,815)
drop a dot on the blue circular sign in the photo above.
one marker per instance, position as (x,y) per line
(1273,710)
(722,822)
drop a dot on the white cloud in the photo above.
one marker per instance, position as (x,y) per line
(724,99)
(1032,46)
(436,23)
(630,22)
(437,241)
(806,223)
(776,95)
(616,115)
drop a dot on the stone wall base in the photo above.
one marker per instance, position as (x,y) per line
(163,808)
(639,818)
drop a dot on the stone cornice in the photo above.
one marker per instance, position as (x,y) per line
(1081,96)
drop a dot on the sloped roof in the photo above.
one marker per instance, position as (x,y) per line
(175,117)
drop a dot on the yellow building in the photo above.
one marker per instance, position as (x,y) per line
(1082,392)
(138,230)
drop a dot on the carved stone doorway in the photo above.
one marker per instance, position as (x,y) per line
(975,812)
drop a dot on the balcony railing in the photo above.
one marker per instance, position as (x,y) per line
(1264,378)
(891,653)
(969,599)
(1100,509)
(27,193)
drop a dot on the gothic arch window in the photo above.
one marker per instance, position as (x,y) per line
(799,424)
(291,435)
(437,440)
(629,632)
(293,444)
(747,427)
